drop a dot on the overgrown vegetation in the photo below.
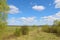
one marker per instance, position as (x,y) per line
(17,32)
(46,28)
(55,28)
(3,16)
(24,30)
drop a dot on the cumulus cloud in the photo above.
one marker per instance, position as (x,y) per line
(53,17)
(22,21)
(28,19)
(34,21)
(12,21)
(13,9)
(50,19)
(58,14)
(57,3)
(39,8)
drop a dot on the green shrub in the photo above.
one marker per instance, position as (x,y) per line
(17,32)
(3,26)
(53,29)
(24,30)
(46,28)
(58,31)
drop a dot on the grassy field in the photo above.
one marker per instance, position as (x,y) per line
(34,34)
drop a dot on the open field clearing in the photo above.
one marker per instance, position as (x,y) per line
(29,19)
(34,34)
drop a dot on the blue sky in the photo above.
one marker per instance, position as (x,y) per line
(33,12)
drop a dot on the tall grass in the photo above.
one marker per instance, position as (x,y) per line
(17,32)
(55,28)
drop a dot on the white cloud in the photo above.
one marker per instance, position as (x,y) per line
(13,9)
(22,21)
(11,21)
(53,17)
(50,19)
(33,20)
(28,19)
(39,8)
(58,14)
(57,3)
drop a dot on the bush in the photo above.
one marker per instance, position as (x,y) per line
(53,29)
(24,30)
(17,32)
(3,26)
(58,31)
(46,28)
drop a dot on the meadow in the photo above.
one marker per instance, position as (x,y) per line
(10,11)
(35,33)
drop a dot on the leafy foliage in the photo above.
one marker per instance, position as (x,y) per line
(46,28)
(24,30)
(55,28)
(3,16)
(3,13)
(17,32)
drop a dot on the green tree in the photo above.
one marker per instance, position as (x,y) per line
(3,16)
(56,27)
(3,12)
(56,23)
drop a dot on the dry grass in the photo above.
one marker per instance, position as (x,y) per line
(34,34)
